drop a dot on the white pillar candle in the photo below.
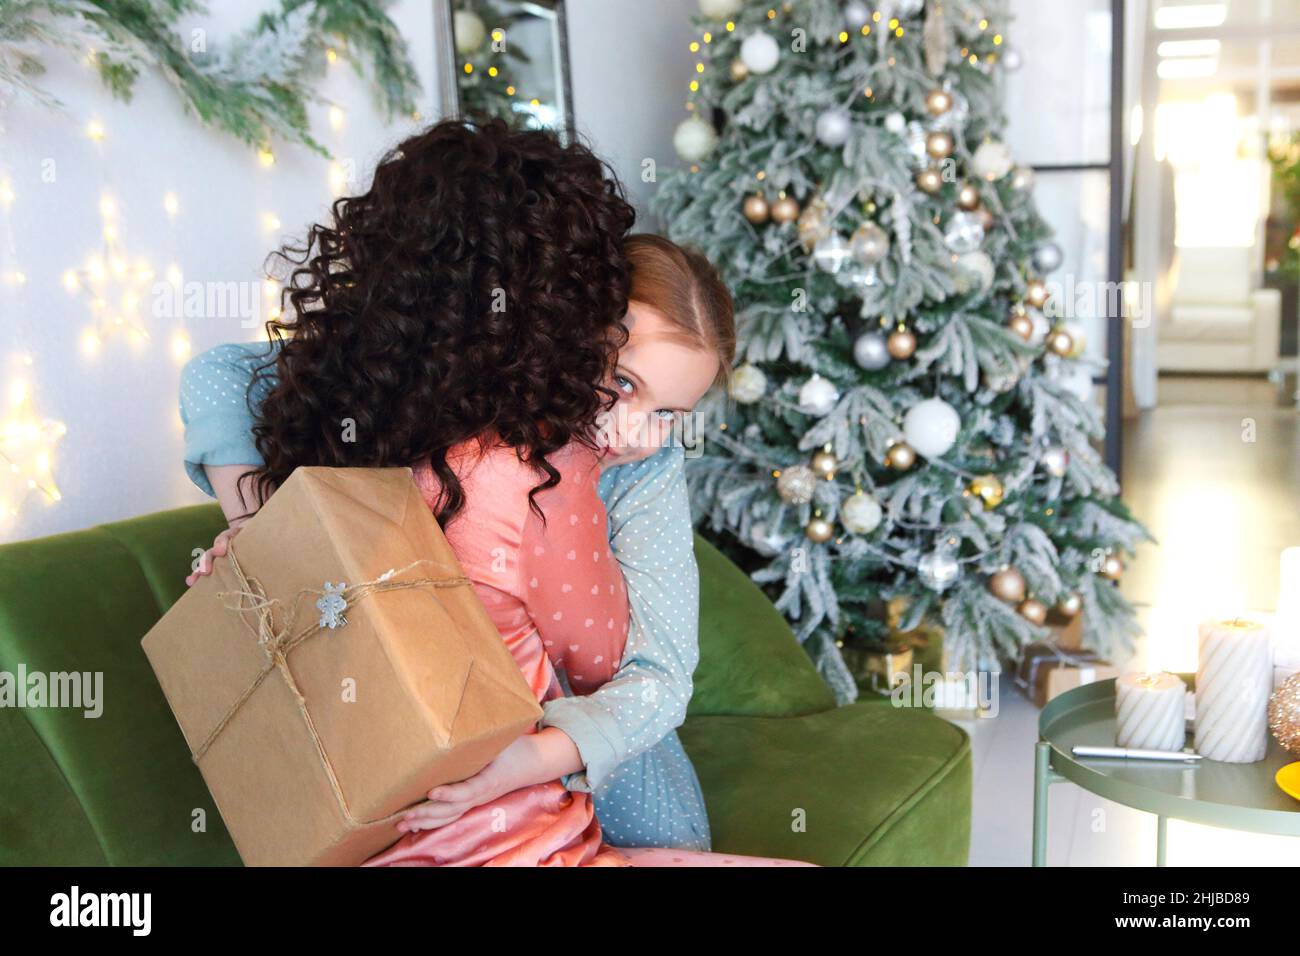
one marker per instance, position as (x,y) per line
(1234,677)
(1286,625)
(1150,712)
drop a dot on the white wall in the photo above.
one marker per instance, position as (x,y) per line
(121,452)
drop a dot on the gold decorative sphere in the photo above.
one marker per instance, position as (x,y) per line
(988,488)
(1035,612)
(819,530)
(1112,567)
(938,102)
(756,209)
(824,464)
(1008,585)
(1060,342)
(1036,293)
(939,144)
(929,180)
(1021,324)
(738,70)
(785,209)
(1284,714)
(986,218)
(901,343)
(901,456)
(1070,605)
(968,197)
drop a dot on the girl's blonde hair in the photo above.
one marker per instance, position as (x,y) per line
(684,287)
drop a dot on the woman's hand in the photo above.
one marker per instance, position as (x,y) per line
(532,759)
(219,548)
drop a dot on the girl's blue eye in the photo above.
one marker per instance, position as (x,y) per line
(623,383)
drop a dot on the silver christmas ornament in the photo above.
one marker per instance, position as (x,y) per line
(765,542)
(818,395)
(796,484)
(1055,460)
(856,15)
(896,123)
(833,127)
(965,232)
(916,137)
(831,253)
(908,8)
(869,244)
(938,569)
(931,427)
(871,352)
(1048,257)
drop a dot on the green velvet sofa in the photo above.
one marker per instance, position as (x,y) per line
(785,772)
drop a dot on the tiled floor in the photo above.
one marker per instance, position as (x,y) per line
(1222,508)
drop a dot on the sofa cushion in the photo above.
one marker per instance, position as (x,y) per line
(1214,275)
(750,661)
(874,785)
(1209,323)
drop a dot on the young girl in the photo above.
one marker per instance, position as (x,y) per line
(485,491)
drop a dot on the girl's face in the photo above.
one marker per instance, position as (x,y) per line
(659,379)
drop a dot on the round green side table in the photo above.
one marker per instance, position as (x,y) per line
(1237,796)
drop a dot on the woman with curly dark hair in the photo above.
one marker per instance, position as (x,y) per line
(469,316)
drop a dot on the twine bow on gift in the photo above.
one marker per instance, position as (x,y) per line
(277,642)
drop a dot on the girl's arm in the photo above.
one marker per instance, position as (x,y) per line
(652,539)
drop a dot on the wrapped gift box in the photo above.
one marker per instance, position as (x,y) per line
(1046,669)
(335,668)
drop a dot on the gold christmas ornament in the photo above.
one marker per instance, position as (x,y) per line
(1008,585)
(756,209)
(1112,567)
(1021,324)
(1036,293)
(1060,342)
(1035,612)
(1284,714)
(824,464)
(812,223)
(739,71)
(929,180)
(988,489)
(968,197)
(938,102)
(986,218)
(819,530)
(784,210)
(1070,605)
(901,343)
(939,144)
(900,456)
(796,484)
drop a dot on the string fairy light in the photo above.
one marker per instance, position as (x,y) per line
(114,286)
(26,444)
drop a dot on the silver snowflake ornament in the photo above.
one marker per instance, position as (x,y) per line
(332,606)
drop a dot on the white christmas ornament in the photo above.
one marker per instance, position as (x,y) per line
(720,9)
(1040,327)
(469,30)
(974,270)
(694,139)
(1048,257)
(760,53)
(992,160)
(871,351)
(895,122)
(856,14)
(861,513)
(748,384)
(831,253)
(931,427)
(818,395)
(833,128)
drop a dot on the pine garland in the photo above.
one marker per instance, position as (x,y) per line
(256,89)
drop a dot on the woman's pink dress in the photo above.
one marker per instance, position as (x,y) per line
(557,596)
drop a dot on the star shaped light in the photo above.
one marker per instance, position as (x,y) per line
(26,445)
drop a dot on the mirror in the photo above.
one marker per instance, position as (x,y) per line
(506,58)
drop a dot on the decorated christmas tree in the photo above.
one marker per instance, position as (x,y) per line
(909,421)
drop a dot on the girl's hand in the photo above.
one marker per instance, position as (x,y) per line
(219,548)
(532,759)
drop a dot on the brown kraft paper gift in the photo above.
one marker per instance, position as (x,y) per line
(311,751)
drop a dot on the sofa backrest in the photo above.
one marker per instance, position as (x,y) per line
(121,788)
(1214,275)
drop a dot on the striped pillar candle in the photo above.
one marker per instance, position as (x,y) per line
(1234,676)
(1150,712)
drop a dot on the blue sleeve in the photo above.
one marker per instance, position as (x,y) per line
(216,409)
(652,538)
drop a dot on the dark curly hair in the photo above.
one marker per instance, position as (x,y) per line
(477,288)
